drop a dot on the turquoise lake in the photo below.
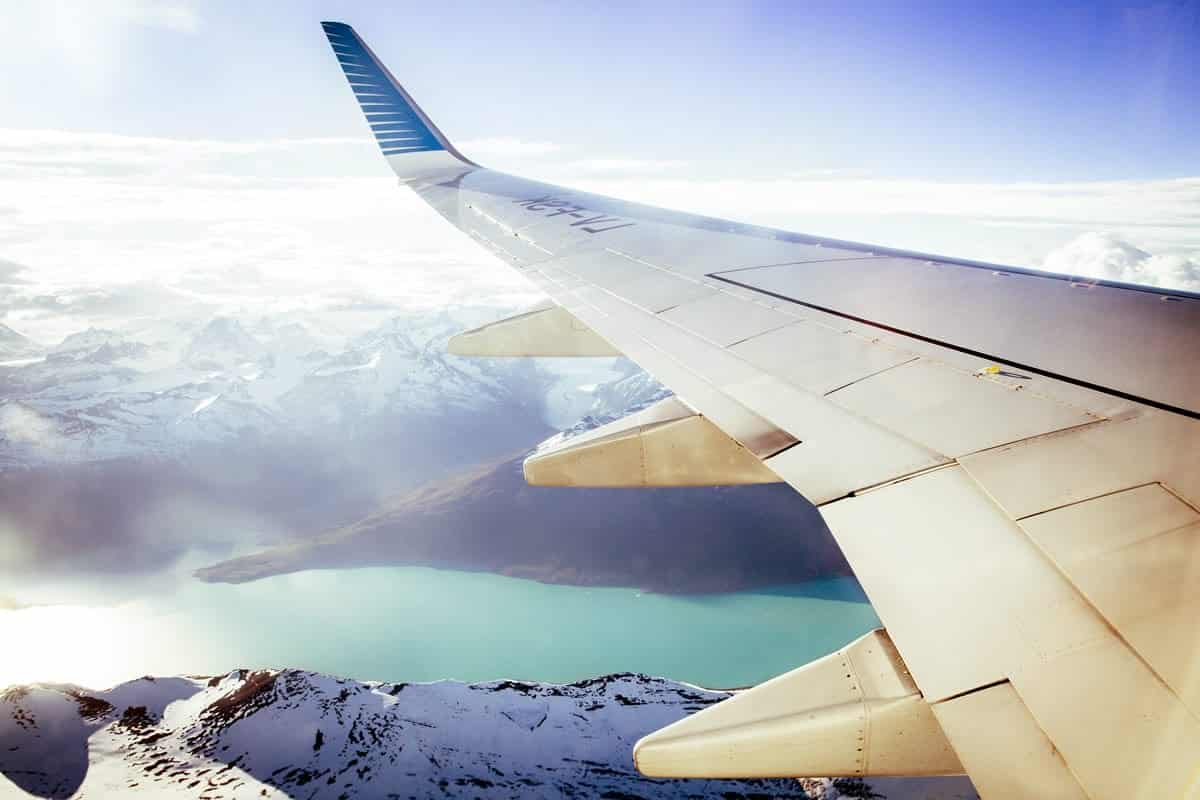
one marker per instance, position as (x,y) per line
(420,624)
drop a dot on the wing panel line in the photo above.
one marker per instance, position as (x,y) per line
(717,276)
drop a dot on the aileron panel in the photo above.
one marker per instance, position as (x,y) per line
(818,359)
(952,412)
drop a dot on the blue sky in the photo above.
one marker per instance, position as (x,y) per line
(1001,91)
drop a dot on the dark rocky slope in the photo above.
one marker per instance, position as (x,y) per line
(670,540)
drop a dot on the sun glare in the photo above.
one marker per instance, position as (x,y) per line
(95,647)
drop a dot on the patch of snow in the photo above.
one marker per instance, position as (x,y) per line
(22,362)
(336,368)
(205,403)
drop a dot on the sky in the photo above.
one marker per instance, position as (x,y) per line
(213,150)
(1012,91)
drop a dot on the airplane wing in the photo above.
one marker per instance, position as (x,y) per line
(1009,459)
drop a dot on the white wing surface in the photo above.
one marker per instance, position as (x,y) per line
(1010,461)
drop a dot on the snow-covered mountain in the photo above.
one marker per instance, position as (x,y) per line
(97,346)
(630,391)
(103,394)
(14,345)
(401,368)
(295,734)
(223,344)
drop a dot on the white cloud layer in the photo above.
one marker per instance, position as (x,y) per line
(1103,255)
(506,147)
(97,226)
(103,224)
(1124,204)
(634,165)
(25,426)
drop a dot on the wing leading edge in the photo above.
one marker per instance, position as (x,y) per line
(1008,459)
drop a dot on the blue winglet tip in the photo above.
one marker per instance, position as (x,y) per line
(337,28)
(398,125)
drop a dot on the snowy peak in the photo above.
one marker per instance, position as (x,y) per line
(350,361)
(292,733)
(222,344)
(86,341)
(401,369)
(612,400)
(96,347)
(111,394)
(16,345)
(9,336)
(294,340)
(392,336)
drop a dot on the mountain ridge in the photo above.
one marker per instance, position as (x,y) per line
(103,393)
(15,345)
(292,733)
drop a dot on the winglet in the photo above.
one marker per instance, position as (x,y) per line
(413,145)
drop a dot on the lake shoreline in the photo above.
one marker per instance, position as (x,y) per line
(487,518)
(422,624)
(228,572)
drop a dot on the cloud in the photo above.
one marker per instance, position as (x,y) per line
(1157,203)
(117,304)
(76,519)
(830,172)
(635,165)
(23,427)
(1104,255)
(9,272)
(55,153)
(107,224)
(507,146)
(1006,223)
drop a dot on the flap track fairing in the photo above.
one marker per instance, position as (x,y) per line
(855,712)
(668,444)
(546,330)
